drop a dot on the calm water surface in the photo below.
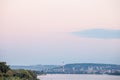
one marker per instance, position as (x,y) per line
(77,77)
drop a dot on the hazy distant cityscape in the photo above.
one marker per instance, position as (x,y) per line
(79,68)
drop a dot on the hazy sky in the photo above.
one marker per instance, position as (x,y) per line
(41,31)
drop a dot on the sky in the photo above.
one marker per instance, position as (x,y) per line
(52,31)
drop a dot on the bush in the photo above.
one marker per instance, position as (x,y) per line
(3,67)
(7,74)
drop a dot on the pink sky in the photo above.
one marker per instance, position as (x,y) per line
(58,15)
(32,23)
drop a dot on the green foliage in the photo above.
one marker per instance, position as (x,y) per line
(1,74)
(25,74)
(3,67)
(7,74)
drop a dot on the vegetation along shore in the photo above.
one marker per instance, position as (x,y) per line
(6,73)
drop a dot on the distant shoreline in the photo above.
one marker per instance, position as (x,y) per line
(75,68)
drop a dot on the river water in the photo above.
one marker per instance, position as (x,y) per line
(77,77)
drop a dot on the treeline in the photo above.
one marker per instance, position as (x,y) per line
(8,74)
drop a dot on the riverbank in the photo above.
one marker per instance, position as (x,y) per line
(6,73)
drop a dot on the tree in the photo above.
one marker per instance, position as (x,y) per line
(8,74)
(3,67)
